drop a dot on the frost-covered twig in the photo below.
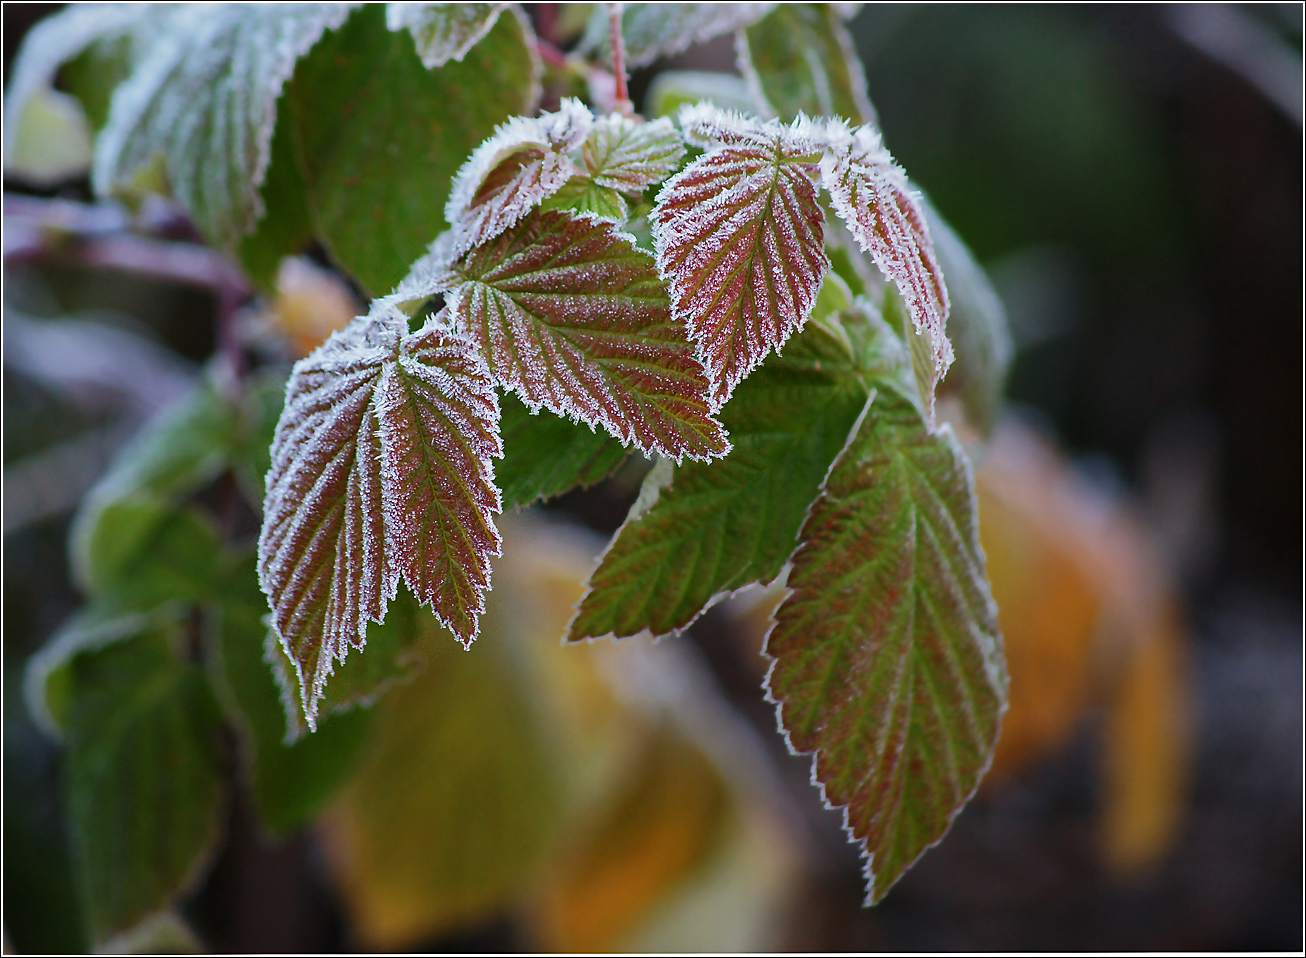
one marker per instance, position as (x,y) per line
(623,104)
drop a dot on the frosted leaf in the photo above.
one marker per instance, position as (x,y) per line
(572,316)
(380,468)
(887,658)
(522,164)
(739,236)
(652,30)
(443,31)
(620,156)
(54,41)
(439,418)
(870,193)
(432,274)
(800,59)
(205,98)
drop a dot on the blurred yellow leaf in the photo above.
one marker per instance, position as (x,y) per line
(311,303)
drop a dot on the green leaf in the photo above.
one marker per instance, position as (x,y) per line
(977,327)
(290,782)
(887,657)
(545,455)
(286,225)
(378,133)
(143,551)
(262,399)
(722,526)
(800,58)
(144,778)
(47,681)
(619,156)
(673,89)
(572,316)
(204,98)
(443,31)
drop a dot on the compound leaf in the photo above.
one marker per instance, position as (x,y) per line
(545,455)
(205,98)
(887,656)
(443,31)
(652,30)
(799,58)
(719,527)
(571,315)
(739,237)
(380,468)
(145,776)
(870,193)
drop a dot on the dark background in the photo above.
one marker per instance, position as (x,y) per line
(1139,205)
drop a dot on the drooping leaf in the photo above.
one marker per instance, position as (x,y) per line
(377,131)
(977,326)
(144,780)
(739,237)
(443,31)
(652,30)
(620,156)
(870,193)
(721,526)
(799,58)
(571,315)
(524,163)
(205,99)
(887,656)
(545,455)
(380,468)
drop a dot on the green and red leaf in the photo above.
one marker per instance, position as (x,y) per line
(887,657)
(571,316)
(380,468)
(739,238)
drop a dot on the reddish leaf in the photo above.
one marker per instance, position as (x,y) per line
(524,163)
(379,468)
(739,237)
(571,315)
(870,193)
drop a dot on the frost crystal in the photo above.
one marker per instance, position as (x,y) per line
(739,236)
(380,468)
(871,194)
(571,316)
(522,164)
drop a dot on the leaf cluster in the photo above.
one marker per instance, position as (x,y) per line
(754,299)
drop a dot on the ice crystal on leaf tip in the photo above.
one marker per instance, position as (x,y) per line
(572,316)
(381,469)
(739,236)
(870,193)
(522,164)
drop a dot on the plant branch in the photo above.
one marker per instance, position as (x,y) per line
(623,104)
(95,237)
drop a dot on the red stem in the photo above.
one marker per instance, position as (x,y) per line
(623,104)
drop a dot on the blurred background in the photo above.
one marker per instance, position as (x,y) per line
(1131,178)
